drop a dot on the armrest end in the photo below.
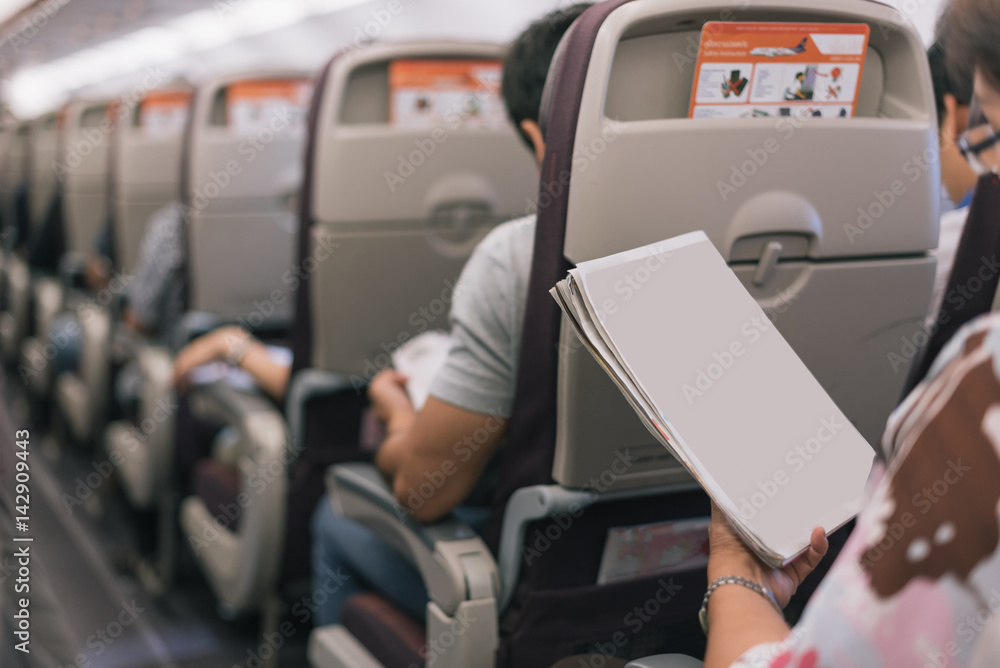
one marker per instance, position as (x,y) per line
(455,563)
(666,661)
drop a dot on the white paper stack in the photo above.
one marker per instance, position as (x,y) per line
(714,381)
(420,359)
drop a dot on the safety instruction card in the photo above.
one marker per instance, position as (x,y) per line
(750,70)
(450,93)
(279,106)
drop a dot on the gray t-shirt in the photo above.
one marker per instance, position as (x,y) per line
(487,316)
(156,294)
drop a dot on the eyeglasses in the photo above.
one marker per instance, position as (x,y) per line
(979,146)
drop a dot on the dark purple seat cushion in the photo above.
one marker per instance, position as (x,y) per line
(393,637)
(218,486)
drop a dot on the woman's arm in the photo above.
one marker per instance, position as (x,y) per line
(738,617)
(224,344)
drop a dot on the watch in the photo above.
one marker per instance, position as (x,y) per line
(238,349)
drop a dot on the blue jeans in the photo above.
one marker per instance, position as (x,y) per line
(65,333)
(348,559)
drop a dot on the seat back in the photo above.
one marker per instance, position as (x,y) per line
(843,293)
(145,166)
(83,170)
(406,179)
(13,169)
(243,167)
(43,153)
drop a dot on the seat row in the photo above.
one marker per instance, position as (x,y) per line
(339,233)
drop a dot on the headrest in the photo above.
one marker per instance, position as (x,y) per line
(545,108)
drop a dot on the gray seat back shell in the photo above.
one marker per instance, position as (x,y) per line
(396,247)
(83,172)
(145,177)
(241,194)
(846,293)
(43,152)
(14,168)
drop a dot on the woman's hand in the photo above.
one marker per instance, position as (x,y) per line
(729,555)
(212,347)
(387,392)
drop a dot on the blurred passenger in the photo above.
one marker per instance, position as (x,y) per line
(156,293)
(953,97)
(918,583)
(474,391)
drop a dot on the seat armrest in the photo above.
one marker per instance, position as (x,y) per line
(666,661)
(194,324)
(304,386)
(222,403)
(453,560)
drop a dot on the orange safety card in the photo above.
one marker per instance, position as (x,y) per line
(278,105)
(749,70)
(449,93)
(164,113)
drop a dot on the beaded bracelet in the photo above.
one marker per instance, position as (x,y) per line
(733,579)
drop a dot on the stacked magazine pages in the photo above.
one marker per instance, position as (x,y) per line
(713,380)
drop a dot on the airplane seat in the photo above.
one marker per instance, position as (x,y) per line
(135,173)
(145,169)
(8,133)
(577,464)
(356,219)
(145,162)
(81,171)
(39,296)
(237,177)
(14,276)
(244,172)
(666,661)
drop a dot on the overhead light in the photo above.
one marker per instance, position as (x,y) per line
(37,88)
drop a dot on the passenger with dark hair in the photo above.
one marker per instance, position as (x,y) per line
(473,393)
(918,583)
(953,98)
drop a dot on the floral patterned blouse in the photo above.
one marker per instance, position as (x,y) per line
(918,582)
